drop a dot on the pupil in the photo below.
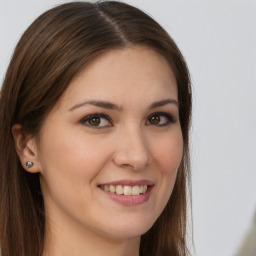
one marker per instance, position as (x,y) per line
(94,121)
(155,120)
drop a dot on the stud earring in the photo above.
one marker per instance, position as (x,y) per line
(29,164)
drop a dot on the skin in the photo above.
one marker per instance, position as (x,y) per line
(74,155)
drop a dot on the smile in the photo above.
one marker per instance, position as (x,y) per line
(128,192)
(125,190)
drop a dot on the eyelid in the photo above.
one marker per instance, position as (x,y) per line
(170,117)
(96,115)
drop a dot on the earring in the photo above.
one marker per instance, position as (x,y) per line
(29,164)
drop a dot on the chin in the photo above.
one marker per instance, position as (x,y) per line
(132,228)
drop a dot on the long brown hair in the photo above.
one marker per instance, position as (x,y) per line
(50,53)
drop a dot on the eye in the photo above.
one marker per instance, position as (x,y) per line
(97,121)
(160,119)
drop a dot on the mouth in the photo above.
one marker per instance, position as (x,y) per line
(125,190)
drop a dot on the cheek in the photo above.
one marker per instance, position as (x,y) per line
(168,153)
(70,163)
(167,156)
(69,152)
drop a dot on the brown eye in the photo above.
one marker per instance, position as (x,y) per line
(160,119)
(97,121)
(154,120)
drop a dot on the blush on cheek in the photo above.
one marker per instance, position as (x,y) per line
(171,158)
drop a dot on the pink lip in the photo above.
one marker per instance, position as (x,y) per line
(129,183)
(129,200)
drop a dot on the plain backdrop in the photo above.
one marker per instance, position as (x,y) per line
(218,40)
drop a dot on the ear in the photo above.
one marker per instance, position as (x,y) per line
(26,149)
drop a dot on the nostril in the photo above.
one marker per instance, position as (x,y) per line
(135,159)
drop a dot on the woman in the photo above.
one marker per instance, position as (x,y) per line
(95,115)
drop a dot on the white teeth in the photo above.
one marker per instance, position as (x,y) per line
(135,190)
(112,189)
(126,190)
(119,190)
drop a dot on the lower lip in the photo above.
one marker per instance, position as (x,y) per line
(130,200)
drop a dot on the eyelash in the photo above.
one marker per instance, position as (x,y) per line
(169,120)
(89,118)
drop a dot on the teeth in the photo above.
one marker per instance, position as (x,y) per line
(106,188)
(126,190)
(112,189)
(135,190)
(119,190)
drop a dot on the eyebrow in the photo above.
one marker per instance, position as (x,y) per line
(101,104)
(109,105)
(163,102)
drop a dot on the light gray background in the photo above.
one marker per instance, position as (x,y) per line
(218,40)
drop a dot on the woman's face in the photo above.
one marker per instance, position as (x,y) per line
(110,149)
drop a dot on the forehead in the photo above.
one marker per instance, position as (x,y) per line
(121,74)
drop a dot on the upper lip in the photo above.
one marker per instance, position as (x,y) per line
(129,183)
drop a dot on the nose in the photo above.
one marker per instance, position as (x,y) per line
(132,150)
